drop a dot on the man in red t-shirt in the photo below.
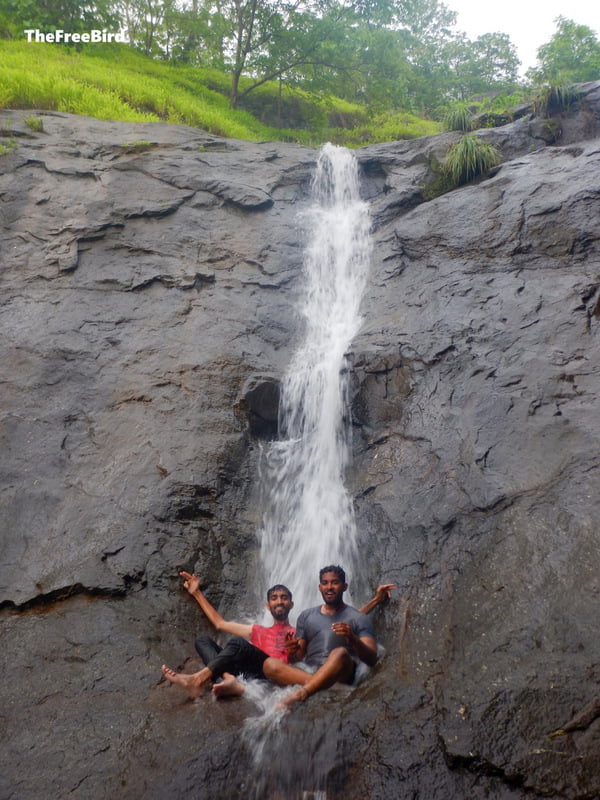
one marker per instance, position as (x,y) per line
(245,652)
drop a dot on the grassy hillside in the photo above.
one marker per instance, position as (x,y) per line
(115,82)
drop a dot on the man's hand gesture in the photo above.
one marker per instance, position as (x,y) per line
(292,645)
(384,592)
(190,582)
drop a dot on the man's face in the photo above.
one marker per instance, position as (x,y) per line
(332,589)
(279,604)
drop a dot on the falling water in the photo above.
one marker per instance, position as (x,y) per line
(309,520)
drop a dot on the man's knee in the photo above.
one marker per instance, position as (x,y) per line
(341,664)
(205,646)
(271,667)
(340,655)
(235,644)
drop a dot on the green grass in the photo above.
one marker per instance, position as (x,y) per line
(385,128)
(124,86)
(7,146)
(116,82)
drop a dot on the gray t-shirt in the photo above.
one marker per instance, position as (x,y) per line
(315,628)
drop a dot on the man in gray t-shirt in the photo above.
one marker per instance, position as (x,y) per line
(333,638)
(315,628)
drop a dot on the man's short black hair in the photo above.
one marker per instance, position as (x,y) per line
(279,587)
(336,569)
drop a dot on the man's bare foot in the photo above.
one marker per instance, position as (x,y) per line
(194,684)
(299,696)
(229,687)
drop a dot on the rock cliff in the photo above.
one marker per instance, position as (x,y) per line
(148,283)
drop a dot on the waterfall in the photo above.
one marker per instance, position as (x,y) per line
(309,520)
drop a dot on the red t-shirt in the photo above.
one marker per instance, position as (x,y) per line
(272,640)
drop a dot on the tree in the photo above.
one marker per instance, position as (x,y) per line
(475,67)
(74,16)
(424,29)
(382,75)
(390,54)
(572,55)
(271,39)
(495,61)
(144,23)
(196,34)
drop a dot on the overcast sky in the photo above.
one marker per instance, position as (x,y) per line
(529,23)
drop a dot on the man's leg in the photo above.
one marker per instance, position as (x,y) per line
(339,666)
(236,657)
(207,648)
(284,674)
(194,684)
(241,657)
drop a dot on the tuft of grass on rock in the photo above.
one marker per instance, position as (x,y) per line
(35,124)
(553,99)
(138,146)
(7,146)
(469,158)
(466,160)
(458,118)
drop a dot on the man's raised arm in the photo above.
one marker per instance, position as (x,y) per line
(192,584)
(382,595)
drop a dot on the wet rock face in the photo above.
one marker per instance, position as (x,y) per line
(148,286)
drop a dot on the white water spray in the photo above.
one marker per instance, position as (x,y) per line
(309,521)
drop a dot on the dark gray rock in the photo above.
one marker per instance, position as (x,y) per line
(149,274)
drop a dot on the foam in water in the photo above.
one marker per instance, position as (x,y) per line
(309,520)
(291,756)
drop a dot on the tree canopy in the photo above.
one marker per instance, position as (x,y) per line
(389,54)
(572,55)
